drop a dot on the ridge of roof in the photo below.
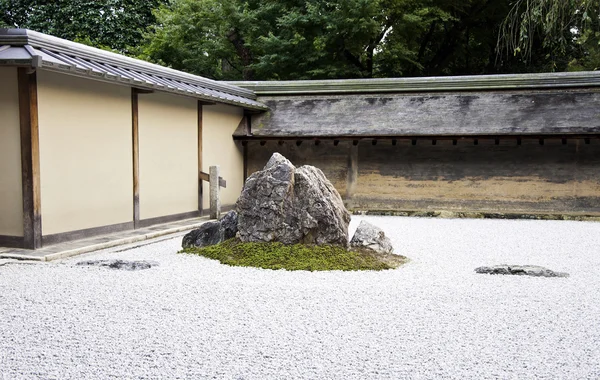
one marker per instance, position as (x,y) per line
(424,84)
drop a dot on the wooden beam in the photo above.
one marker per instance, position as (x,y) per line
(143,91)
(245,153)
(352,175)
(135,156)
(30,159)
(206,177)
(200,187)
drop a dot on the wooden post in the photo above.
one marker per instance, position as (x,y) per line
(200,206)
(352,175)
(215,201)
(245,154)
(30,159)
(136,157)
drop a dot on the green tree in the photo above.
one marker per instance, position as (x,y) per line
(114,24)
(316,39)
(558,33)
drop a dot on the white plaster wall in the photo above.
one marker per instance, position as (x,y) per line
(11,194)
(168,152)
(218,148)
(86,168)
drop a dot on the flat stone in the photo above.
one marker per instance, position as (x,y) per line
(521,270)
(120,264)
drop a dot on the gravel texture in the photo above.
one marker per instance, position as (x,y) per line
(190,317)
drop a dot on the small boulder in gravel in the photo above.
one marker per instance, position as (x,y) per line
(120,264)
(213,232)
(282,203)
(372,237)
(521,270)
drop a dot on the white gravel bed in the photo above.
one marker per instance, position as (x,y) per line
(194,318)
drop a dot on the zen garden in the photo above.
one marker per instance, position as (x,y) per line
(360,189)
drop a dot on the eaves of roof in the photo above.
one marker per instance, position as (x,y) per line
(21,47)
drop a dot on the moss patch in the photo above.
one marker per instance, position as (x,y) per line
(296,257)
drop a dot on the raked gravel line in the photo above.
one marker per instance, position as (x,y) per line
(194,318)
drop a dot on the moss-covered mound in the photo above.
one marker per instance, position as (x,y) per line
(296,257)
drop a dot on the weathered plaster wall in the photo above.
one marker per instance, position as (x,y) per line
(218,148)
(85,153)
(530,178)
(168,154)
(11,195)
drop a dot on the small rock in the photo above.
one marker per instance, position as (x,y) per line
(213,232)
(372,237)
(521,270)
(120,264)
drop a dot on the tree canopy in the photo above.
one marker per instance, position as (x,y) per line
(317,39)
(113,24)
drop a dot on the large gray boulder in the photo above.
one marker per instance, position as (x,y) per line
(213,232)
(282,203)
(521,270)
(372,237)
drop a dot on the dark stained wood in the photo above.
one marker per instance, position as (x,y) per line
(200,189)
(135,156)
(245,154)
(11,241)
(143,91)
(86,233)
(169,218)
(352,174)
(224,209)
(30,159)
(499,113)
(206,177)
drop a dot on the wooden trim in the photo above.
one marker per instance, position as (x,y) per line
(85,233)
(352,175)
(206,177)
(200,113)
(169,218)
(135,156)
(245,154)
(11,241)
(224,210)
(245,139)
(30,158)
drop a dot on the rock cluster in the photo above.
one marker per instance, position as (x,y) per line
(282,203)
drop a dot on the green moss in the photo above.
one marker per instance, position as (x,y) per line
(296,257)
